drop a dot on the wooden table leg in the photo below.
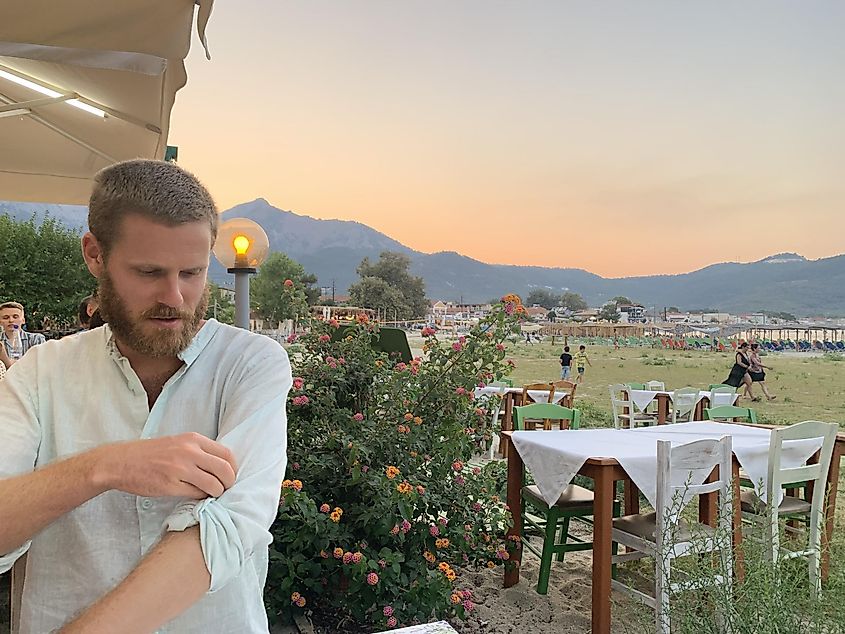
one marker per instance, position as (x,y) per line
(739,565)
(830,509)
(708,504)
(632,498)
(602,524)
(515,504)
(662,408)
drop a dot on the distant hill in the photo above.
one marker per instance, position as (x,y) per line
(332,249)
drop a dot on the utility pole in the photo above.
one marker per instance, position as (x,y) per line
(333,300)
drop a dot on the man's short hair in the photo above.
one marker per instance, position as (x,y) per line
(162,192)
(5,305)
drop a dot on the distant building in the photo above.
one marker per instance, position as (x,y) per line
(631,313)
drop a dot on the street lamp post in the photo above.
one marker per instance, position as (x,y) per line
(241,247)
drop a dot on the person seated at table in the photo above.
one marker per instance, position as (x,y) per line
(739,372)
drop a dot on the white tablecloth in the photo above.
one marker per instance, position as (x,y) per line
(642,398)
(554,457)
(541,396)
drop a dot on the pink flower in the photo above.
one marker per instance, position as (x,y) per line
(372,578)
(443,521)
(288,283)
(460,391)
(325,338)
(341,361)
(400,367)
(476,471)
(298,383)
(388,610)
(459,480)
(500,347)
(509,308)
(427,331)
(347,557)
(458,465)
(325,508)
(364,469)
(359,417)
(476,506)
(457,346)
(357,557)
(300,400)
(395,530)
(466,594)
(469,606)
(334,323)
(406,526)
(291,338)
(433,530)
(383,564)
(391,622)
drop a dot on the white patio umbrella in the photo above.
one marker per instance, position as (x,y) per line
(85,83)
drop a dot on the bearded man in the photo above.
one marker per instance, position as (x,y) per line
(141,462)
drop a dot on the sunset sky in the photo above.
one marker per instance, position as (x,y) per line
(625,138)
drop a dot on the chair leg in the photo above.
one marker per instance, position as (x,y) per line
(661,594)
(564,538)
(548,550)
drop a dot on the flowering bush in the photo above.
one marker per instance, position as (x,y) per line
(382,511)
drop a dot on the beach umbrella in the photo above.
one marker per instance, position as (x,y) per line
(84,84)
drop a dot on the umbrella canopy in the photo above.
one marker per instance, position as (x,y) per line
(84,84)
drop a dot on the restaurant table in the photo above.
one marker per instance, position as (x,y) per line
(607,457)
(642,398)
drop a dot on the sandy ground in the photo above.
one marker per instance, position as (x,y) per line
(564,610)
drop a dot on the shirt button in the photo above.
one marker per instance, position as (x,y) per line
(147,505)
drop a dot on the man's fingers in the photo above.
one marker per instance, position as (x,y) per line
(217,467)
(205,482)
(186,490)
(216,449)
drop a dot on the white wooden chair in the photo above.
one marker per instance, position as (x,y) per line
(664,536)
(761,514)
(624,412)
(657,386)
(683,404)
(721,395)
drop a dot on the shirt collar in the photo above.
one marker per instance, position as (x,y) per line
(188,355)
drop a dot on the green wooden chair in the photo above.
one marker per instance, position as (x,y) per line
(636,386)
(575,501)
(729,413)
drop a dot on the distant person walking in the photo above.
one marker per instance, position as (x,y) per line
(756,371)
(581,362)
(565,363)
(739,372)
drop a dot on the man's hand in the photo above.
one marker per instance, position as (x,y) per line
(188,465)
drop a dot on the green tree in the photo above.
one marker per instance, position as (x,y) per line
(573,301)
(407,293)
(279,291)
(42,268)
(219,305)
(609,312)
(621,300)
(542,297)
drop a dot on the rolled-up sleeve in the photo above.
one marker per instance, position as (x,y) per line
(20,432)
(253,426)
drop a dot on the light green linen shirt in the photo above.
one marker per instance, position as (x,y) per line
(71,395)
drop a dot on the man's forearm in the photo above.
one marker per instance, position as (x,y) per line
(166,583)
(32,501)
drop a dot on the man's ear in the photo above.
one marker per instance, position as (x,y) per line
(93,254)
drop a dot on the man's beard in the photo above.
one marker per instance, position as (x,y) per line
(131,332)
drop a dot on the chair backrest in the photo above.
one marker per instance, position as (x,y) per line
(548,387)
(714,385)
(619,403)
(504,381)
(727,413)
(678,467)
(566,386)
(683,404)
(636,386)
(722,395)
(658,386)
(816,472)
(566,417)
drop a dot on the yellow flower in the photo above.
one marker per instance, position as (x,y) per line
(450,575)
(456,599)
(442,543)
(338,553)
(295,597)
(286,484)
(491,565)
(392,472)
(443,566)
(430,558)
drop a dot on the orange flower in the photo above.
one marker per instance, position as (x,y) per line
(391,472)
(450,575)
(430,558)
(417,420)
(409,416)
(491,565)
(455,598)
(442,543)
(443,566)
(404,487)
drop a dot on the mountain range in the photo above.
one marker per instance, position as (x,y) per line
(332,249)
